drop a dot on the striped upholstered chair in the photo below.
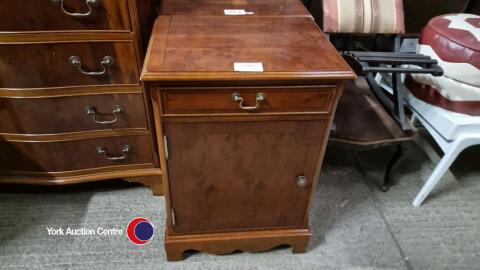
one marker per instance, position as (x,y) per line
(361,119)
(367,115)
(363,16)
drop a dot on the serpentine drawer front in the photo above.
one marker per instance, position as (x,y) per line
(72,114)
(60,15)
(67,64)
(243,108)
(249,100)
(75,155)
(72,107)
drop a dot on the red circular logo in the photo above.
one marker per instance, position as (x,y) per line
(140,231)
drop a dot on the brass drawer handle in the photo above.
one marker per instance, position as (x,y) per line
(102,151)
(261,97)
(89,3)
(302,181)
(90,110)
(77,62)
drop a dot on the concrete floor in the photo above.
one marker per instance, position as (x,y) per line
(354,225)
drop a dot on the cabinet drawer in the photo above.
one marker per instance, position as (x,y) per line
(67,64)
(252,100)
(74,155)
(59,15)
(71,114)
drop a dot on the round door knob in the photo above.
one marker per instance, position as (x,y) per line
(302,181)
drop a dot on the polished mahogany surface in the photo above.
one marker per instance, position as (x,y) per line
(277,100)
(241,151)
(228,176)
(217,7)
(206,48)
(46,15)
(69,83)
(48,64)
(55,115)
(73,155)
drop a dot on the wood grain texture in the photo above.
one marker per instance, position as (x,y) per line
(70,176)
(338,94)
(217,7)
(75,155)
(142,21)
(43,15)
(154,182)
(227,176)
(213,101)
(128,172)
(155,97)
(45,135)
(231,177)
(225,243)
(68,114)
(71,91)
(142,16)
(205,48)
(60,37)
(73,136)
(47,65)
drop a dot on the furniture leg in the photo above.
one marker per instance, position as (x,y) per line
(174,255)
(154,182)
(413,120)
(457,147)
(300,248)
(229,242)
(387,181)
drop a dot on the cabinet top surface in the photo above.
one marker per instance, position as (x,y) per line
(186,48)
(217,7)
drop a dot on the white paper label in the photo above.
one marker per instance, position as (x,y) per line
(236,12)
(409,45)
(248,67)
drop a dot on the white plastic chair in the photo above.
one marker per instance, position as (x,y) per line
(454,132)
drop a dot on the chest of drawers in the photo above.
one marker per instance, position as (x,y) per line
(72,107)
(241,151)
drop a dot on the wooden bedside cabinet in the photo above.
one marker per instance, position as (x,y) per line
(241,151)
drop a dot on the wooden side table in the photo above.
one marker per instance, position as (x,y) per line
(243,108)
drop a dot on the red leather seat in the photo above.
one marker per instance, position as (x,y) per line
(453,40)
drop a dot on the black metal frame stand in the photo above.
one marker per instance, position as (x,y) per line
(387,180)
(369,64)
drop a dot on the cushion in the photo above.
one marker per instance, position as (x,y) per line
(363,16)
(454,41)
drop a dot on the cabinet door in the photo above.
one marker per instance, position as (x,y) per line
(227,176)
